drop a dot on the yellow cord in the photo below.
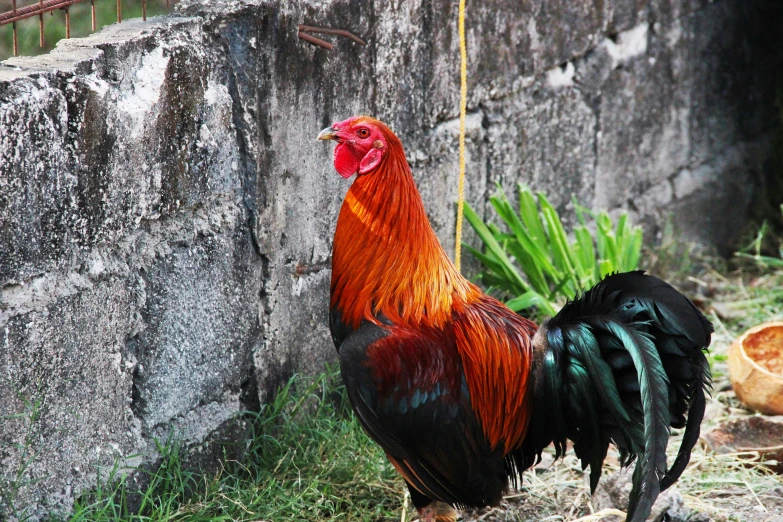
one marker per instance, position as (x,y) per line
(463,105)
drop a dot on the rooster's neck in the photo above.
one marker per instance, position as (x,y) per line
(387,260)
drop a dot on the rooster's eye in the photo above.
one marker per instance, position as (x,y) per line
(362,133)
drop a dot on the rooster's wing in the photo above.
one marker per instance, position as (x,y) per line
(408,388)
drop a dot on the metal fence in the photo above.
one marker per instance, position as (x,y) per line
(41,7)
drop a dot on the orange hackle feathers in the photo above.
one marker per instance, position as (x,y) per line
(387,260)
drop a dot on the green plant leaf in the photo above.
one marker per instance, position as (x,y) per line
(558,241)
(586,258)
(529,300)
(528,211)
(530,264)
(605,267)
(633,250)
(506,267)
(497,275)
(527,238)
(763,260)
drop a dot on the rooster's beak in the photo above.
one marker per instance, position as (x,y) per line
(327,134)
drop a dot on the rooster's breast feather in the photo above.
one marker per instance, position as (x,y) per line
(408,389)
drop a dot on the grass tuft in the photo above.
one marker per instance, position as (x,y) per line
(308,459)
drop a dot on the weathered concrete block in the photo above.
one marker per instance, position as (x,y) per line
(198,320)
(644,120)
(63,371)
(133,191)
(545,138)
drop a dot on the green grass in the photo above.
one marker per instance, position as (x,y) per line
(308,459)
(14,481)
(81,25)
(753,292)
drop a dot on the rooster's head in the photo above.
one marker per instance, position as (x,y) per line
(362,144)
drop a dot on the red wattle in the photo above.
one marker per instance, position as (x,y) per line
(345,161)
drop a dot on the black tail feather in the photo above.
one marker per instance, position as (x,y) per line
(691,435)
(621,364)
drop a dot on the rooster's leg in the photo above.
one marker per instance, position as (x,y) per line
(428,513)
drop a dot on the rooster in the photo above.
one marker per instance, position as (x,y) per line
(462,393)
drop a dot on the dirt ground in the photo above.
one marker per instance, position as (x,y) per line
(714,487)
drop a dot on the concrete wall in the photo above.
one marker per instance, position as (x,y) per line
(166,215)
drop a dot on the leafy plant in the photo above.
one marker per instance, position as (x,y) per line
(536,265)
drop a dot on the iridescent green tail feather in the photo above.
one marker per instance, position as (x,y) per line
(621,364)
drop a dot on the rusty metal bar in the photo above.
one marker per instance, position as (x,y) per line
(315,41)
(327,30)
(43,6)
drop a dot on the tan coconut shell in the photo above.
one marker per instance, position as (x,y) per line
(756,368)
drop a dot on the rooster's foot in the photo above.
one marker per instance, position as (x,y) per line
(428,513)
